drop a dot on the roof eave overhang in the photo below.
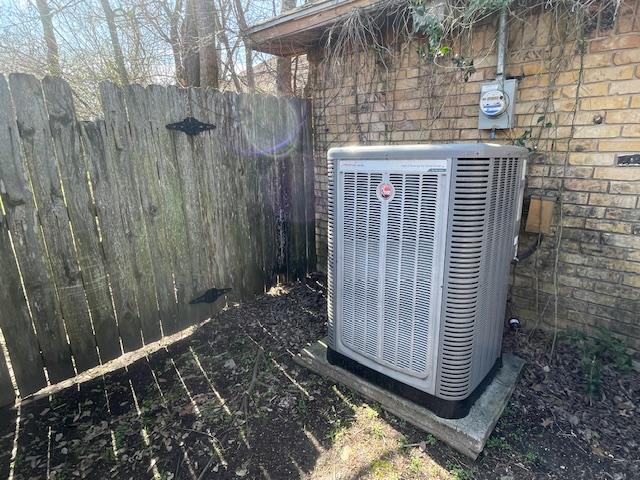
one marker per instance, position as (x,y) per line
(298,30)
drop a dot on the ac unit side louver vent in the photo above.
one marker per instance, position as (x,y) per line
(469,201)
(331,267)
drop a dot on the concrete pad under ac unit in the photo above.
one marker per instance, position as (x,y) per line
(467,435)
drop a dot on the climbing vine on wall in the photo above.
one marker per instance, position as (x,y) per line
(364,55)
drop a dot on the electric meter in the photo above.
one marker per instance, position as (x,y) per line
(497,104)
(493,103)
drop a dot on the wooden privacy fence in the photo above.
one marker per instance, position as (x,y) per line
(110,227)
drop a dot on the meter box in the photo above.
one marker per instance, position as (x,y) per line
(497,104)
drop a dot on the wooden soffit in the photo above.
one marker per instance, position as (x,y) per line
(296,31)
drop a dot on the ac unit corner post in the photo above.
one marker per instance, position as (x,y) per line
(420,241)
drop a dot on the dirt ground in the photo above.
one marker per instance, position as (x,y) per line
(228,402)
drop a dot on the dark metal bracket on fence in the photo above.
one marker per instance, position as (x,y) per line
(191,126)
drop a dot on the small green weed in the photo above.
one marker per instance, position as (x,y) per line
(382,469)
(378,431)
(531,457)
(301,406)
(416,465)
(337,431)
(596,353)
(459,472)
(498,443)
(120,435)
(371,411)
(430,440)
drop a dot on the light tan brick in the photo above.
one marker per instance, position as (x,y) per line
(632,280)
(590,60)
(566,105)
(580,158)
(575,222)
(608,73)
(533,68)
(603,225)
(626,57)
(535,93)
(567,78)
(604,103)
(617,173)
(597,131)
(631,131)
(571,172)
(586,185)
(629,86)
(406,83)
(598,89)
(629,188)
(607,200)
(620,240)
(615,42)
(619,145)
(623,116)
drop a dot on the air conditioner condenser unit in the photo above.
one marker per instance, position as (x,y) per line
(420,242)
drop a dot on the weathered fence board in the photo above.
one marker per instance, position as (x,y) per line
(40,156)
(118,223)
(172,197)
(73,175)
(22,219)
(115,245)
(186,159)
(123,156)
(144,155)
(7,393)
(15,322)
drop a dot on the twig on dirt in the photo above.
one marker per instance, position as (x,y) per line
(175,475)
(206,467)
(252,383)
(206,434)
(411,445)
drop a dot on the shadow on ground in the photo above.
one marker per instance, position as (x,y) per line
(229,402)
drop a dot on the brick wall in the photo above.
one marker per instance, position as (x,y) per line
(575,133)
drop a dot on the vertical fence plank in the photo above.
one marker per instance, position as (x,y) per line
(210,104)
(7,395)
(117,122)
(73,174)
(33,123)
(144,154)
(207,171)
(262,129)
(309,185)
(253,207)
(184,148)
(23,222)
(111,213)
(15,321)
(272,151)
(21,341)
(169,178)
(296,240)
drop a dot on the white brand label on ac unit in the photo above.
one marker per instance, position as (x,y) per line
(383,166)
